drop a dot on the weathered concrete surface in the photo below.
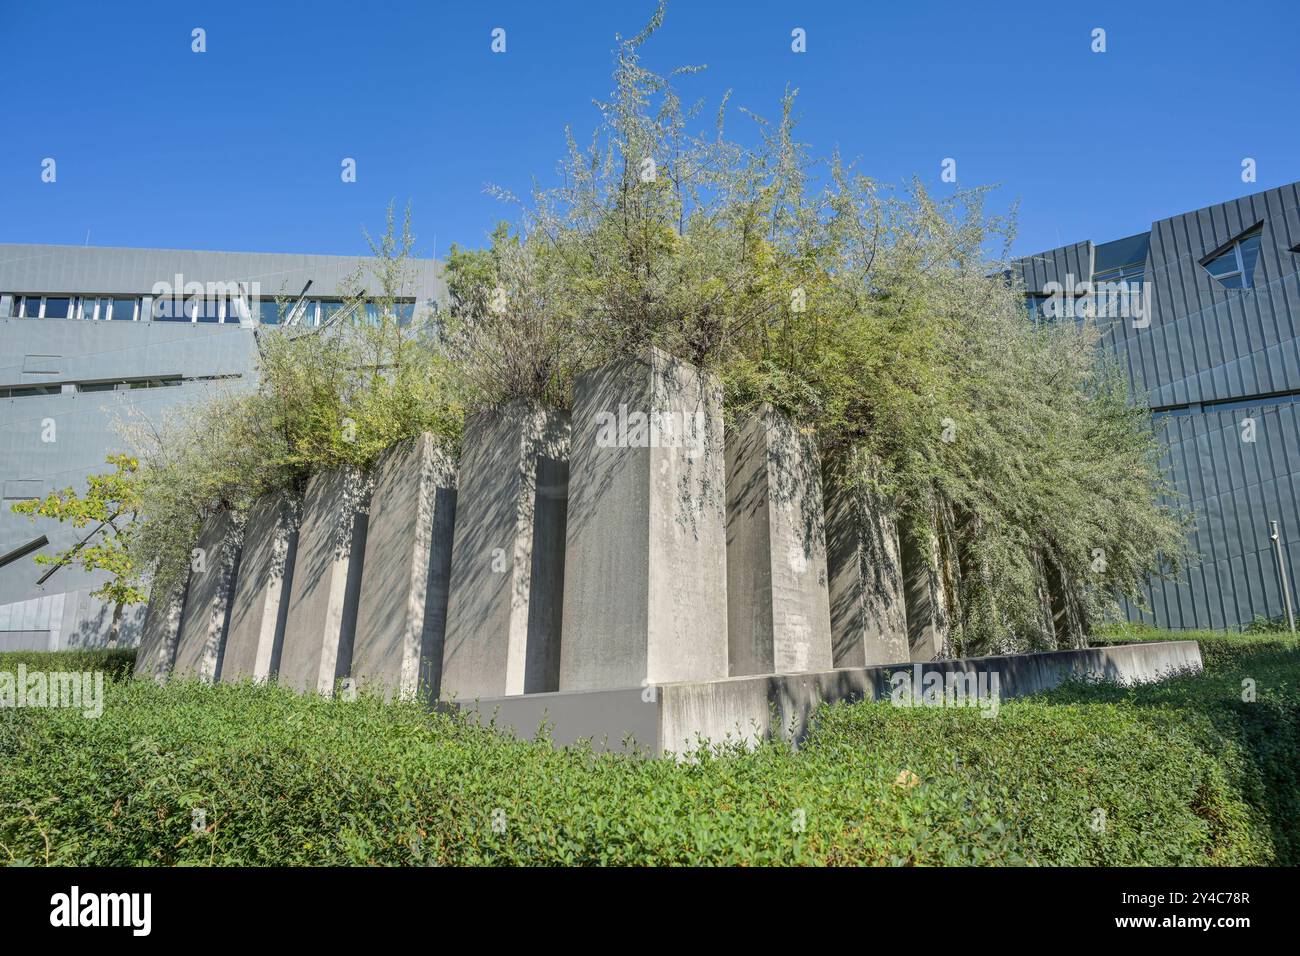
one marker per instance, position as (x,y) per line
(868,607)
(507,571)
(927,615)
(675,717)
(645,561)
(323,594)
(156,652)
(778,602)
(402,610)
(202,637)
(260,606)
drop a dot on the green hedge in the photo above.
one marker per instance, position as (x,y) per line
(116,664)
(1183,773)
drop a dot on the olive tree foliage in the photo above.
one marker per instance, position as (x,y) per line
(324,397)
(883,318)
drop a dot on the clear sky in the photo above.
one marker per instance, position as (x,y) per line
(239,147)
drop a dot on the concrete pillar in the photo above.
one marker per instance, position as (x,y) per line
(645,584)
(868,609)
(202,638)
(261,602)
(507,571)
(927,616)
(402,610)
(156,652)
(326,581)
(778,603)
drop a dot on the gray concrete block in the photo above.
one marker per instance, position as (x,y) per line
(156,652)
(645,587)
(507,571)
(321,623)
(927,615)
(202,638)
(676,718)
(402,610)
(868,609)
(778,602)
(260,605)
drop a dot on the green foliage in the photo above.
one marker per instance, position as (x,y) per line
(1185,773)
(110,504)
(116,663)
(883,319)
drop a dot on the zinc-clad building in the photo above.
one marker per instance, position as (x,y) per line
(1217,357)
(90,337)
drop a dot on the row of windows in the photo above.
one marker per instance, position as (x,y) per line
(74,307)
(108,385)
(310,312)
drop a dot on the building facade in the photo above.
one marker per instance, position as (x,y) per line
(91,338)
(1203,312)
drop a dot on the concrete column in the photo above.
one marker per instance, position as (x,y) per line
(156,652)
(778,603)
(261,602)
(927,616)
(507,571)
(326,581)
(645,585)
(868,609)
(402,610)
(207,601)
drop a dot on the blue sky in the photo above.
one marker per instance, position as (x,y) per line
(239,148)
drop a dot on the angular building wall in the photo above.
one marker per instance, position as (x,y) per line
(1220,367)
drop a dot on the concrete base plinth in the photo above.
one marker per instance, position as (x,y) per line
(202,637)
(868,610)
(260,606)
(507,571)
(402,610)
(326,581)
(156,653)
(673,718)
(645,587)
(778,603)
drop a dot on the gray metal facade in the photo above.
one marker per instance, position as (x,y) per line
(67,383)
(1220,366)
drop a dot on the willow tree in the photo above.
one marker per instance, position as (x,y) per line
(884,318)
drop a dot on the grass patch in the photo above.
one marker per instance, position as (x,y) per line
(1184,772)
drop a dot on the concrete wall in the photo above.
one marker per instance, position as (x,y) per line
(402,610)
(868,609)
(508,560)
(260,605)
(645,560)
(675,717)
(778,603)
(323,594)
(162,623)
(202,638)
